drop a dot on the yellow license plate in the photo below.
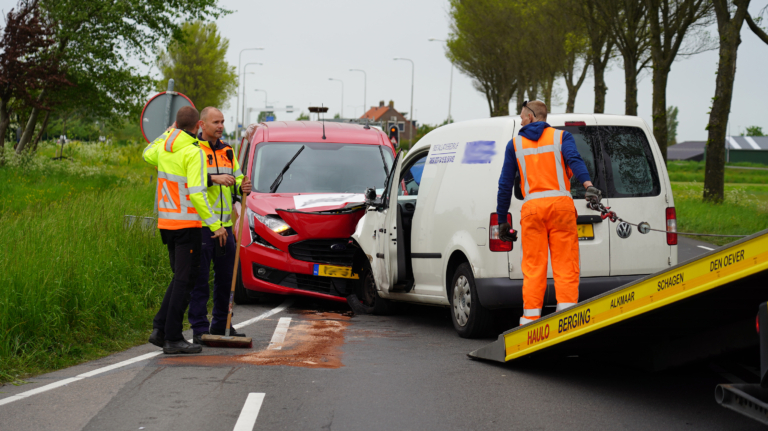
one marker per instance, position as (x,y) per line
(335,271)
(586,232)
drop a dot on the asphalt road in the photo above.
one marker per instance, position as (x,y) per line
(336,371)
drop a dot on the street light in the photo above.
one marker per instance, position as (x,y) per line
(239,61)
(342,94)
(410,114)
(365,86)
(450,87)
(245,69)
(265,97)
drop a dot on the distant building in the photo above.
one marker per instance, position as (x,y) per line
(388,116)
(752,149)
(689,150)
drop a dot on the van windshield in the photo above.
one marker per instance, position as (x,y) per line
(321,168)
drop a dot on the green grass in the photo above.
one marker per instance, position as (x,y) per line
(686,171)
(744,212)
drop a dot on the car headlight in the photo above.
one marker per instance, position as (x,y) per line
(274,223)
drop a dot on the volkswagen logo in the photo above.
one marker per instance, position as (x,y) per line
(624,230)
(338,247)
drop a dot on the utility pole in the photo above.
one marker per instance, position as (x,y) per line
(410,114)
(237,105)
(365,87)
(245,72)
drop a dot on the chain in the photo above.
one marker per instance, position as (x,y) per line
(644,227)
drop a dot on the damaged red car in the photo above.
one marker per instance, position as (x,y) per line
(309,181)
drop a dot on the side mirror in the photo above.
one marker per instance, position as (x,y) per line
(370,194)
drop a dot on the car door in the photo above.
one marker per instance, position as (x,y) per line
(378,232)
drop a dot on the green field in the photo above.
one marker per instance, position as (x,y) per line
(685,171)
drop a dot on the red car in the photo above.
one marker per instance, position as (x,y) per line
(309,181)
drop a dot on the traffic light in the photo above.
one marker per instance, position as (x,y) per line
(394,136)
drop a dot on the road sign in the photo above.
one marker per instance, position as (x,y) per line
(153,116)
(270,118)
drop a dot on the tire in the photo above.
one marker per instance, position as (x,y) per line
(470,319)
(370,296)
(241,294)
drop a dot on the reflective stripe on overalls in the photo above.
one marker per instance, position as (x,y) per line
(556,149)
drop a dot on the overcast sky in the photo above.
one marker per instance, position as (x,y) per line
(306,42)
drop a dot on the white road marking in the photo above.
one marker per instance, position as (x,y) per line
(250,412)
(705,248)
(287,303)
(280,332)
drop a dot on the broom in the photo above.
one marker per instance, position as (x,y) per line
(225,340)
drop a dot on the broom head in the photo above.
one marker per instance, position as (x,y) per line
(224,341)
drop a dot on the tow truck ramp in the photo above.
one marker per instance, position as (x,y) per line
(699,308)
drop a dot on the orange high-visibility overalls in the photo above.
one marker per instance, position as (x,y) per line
(547,221)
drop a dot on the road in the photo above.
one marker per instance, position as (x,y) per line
(336,371)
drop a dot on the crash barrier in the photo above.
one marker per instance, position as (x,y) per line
(693,310)
(147,224)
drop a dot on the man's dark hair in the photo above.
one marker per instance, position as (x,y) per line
(187,118)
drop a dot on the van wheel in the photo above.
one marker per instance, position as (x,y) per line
(370,296)
(241,295)
(470,319)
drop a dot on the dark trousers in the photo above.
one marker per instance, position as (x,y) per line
(222,284)
(184,254)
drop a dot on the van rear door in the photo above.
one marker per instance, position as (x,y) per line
(636,192)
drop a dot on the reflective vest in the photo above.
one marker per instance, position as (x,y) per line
(217,163)
(543,171)
(181,182)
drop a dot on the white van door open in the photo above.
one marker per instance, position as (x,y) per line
(380,230)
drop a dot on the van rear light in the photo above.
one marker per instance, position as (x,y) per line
(495,243)
(575,123)
(671,226)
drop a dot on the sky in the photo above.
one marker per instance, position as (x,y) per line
(306,42)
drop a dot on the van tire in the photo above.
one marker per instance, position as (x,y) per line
(370,295)
(479,319)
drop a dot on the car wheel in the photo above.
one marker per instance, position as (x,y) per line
(370,296)
(241,294)
(470,319)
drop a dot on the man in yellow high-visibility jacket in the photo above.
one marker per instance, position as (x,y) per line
(182,206)
(225,179)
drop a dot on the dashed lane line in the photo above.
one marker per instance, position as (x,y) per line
(250,412)
(287,303)
(280,332)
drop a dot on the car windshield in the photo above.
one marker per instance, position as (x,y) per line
(321,168)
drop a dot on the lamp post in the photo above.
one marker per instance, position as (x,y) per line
(239,61)
(365,86)
(342,94)
(410,114)
(265,97)
(450,87)
(245,72)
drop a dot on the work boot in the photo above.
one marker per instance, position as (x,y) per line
(232,332)
(181,346)
(197,338)
(157,338)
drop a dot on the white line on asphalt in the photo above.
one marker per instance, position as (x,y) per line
(287,303)
(280,332)
(705,248)
(250,412)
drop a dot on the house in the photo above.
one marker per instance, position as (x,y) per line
(389,117)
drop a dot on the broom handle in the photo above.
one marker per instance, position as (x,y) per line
(239,236)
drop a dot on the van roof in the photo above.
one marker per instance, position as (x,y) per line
(312,131)
(601,119)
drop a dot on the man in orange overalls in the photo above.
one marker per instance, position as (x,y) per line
(546,158)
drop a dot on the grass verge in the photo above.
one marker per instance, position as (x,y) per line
(688,171)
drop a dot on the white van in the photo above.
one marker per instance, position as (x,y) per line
(428,238)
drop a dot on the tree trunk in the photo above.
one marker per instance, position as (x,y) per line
(548,88)
(714,169)
(29,130)
(659,109)
(42,130)
(600,88)
(5,121)
(520,95)
(630,81)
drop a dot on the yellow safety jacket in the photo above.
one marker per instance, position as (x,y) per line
(181,182)
(217,162)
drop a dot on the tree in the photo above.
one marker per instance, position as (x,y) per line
(628,23)
(672,123)
(303,117)
(483,45)
(263,116)
(94,41)
(753,131)
(730,15)
(197,64)
(670,22)
(576,57)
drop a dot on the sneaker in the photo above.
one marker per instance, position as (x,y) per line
(232,332)
(157,338)
(197,338)
(181,346)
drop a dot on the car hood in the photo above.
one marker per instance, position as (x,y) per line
(327,215)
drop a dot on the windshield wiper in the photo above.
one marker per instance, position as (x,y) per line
(279,178)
